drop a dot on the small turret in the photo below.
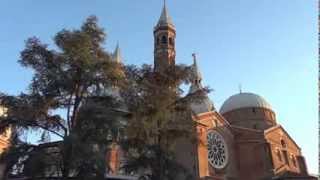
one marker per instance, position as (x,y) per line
(204,104)
(196,76)
(116,56)
(165,19)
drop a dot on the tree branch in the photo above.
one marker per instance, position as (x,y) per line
(68,111)
(45,128)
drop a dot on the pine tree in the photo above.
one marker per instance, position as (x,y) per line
(66,98)
(159,116)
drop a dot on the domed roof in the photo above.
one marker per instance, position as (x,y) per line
(202,105)
(243,100)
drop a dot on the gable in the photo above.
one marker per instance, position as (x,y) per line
(277,133)
(211,119)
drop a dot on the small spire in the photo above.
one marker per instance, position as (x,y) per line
(117,54)
(203,103)
(165,19)
(194,58)
(196,70)
(196,76)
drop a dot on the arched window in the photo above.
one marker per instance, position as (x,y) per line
(197,81)
(285,155)
(293,159)
(164,40)
(283,144)
(279,155)
(158,41)
(254,110)
(171,42)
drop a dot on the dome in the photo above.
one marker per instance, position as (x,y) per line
(244,100)
(202,105)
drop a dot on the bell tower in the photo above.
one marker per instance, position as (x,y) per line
(164,42)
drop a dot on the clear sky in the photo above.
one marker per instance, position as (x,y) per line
(267,46)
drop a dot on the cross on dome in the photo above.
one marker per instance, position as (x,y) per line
(240,88)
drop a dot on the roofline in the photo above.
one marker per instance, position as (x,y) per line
(267,131)
(246,108)
(247,93)
(247,129)
(200,115)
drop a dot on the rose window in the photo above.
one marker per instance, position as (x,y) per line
(217,150)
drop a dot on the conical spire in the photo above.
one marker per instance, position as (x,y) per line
(165,18)
(117,54)
(203,104)
(196,76)
(196,70)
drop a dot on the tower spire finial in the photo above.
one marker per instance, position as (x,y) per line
(196,76)
(117,54)
(240,88)
(165,19)
(117,46)
(194,55)
(195,64)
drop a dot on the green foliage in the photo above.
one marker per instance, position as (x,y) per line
(159,116)
(71,79)
(75,79)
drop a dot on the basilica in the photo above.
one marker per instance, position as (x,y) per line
(241,141)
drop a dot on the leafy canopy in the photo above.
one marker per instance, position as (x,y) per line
(160,116)
(67,97)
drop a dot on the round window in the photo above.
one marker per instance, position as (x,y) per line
(217,150)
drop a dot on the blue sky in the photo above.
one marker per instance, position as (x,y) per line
(267,46)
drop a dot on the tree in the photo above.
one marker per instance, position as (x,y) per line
(159,116)
(66,98)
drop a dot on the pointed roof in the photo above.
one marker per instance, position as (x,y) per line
(117,54)
(196,69)
(165,18)
(196,76)
(280,128)
(204,104)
